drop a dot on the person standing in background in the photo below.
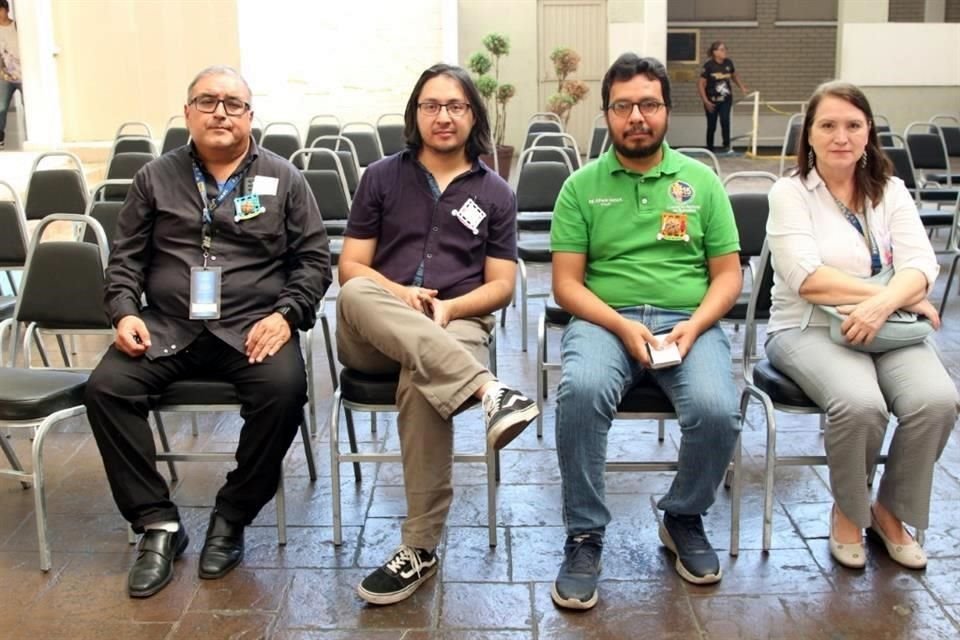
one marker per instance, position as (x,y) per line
(10,77)
(716,92)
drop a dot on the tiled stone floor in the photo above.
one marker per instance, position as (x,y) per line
(306,589)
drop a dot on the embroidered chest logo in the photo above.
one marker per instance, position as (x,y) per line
(681,192)
(470,215)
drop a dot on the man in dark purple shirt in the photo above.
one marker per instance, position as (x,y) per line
(429,254)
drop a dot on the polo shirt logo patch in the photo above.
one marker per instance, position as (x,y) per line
(681,192)
(673,226)
(470,215)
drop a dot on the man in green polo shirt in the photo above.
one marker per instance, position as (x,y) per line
(645,259)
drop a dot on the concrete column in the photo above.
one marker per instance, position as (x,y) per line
(638,26)
(935,11)
(857,11)
(41,86)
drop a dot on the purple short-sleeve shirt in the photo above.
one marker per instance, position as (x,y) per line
(395,205)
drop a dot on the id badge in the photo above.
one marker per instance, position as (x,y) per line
(205,293)
(246,207)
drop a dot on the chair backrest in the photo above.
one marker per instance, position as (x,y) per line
(282,143)
(539,184)
(13,231)
(123,129)
(537,127)
(364,138)
(927,147)
(751,209)
(599,139)
(391,135)
(347,153)
(123,167)
(791,137)
(55,190)
(902,162)
(705,156)
(106,213)
(950,128)
(329,186)
(758,309)
(322,125)
(134,144)
(561,140)
(63,281)
(174,138)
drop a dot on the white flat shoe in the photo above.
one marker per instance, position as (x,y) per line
(850,554)
(911,556)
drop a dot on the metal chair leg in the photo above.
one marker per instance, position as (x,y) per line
(335,467)
(14,461)
(281,503)
(492,467)
(352,437)
(162,433)
(736,473)
(308,449)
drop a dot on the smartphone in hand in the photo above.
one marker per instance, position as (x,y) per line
(668,355)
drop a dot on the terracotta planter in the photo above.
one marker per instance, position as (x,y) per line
(504,157)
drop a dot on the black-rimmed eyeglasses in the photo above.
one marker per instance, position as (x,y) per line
(231,106)
(455,109)
(623,108)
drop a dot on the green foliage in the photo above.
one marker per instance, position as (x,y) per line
(569,92)
(497,45)
(480,63)
(487,87)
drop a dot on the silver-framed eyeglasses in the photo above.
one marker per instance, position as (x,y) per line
(231,106)
(454,109)
(623,108)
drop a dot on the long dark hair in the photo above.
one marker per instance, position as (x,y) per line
(479,140)
(629,65)
(716,44)
(870,180)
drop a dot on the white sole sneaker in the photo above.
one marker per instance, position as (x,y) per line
(396,596)
(502,432)
(573,603)
(710,578)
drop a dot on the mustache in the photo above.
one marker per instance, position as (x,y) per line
(638,129)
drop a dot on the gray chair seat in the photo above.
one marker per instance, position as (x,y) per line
(555,313)
(535,250)
(199,391)
(645,397)
(7,305)
(534,220)
(335,227)
(368,388)
(32,394)
(780,388)
(936,217)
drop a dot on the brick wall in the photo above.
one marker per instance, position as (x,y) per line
(953,11)
(783,63)
(906,11)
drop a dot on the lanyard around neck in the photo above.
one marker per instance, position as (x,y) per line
(876,266)
(211,205)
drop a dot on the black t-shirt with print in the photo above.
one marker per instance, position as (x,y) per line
(718,76)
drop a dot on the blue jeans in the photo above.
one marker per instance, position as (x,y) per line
(7,90)
(597,370)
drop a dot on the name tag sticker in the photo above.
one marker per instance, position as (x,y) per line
(246,207)
(205,293)
(470,215)
(264,186)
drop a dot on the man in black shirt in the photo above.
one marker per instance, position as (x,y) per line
(225,241)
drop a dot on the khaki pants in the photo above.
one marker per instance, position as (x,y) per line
(440,370)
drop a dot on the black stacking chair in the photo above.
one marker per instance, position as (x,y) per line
(705,156)
(563,141)
(645,401)
(282,143)
(790,137)
(13,245)
(928,150)
(322,125)
(59,190)
(540,123)
(950,128)
(344,149)
(122,168)
(105,212)
(538,186)
(174,136)
(124,142)
(365,141)
(329,187)
(359,391)
(599,137)
(390,134)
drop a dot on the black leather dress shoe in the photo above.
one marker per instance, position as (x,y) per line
(223,549)
(153,569)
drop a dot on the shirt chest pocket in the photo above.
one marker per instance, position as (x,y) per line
(264,231)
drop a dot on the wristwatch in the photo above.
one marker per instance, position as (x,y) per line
(287,312)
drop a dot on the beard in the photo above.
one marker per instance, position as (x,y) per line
(642,151)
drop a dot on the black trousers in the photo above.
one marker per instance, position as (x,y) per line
(119,396)
(721,111)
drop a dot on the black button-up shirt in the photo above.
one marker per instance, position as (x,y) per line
(280,257)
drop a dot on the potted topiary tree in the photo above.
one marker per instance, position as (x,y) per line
(569,92)
(495,95)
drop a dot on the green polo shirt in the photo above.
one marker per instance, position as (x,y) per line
(648,236)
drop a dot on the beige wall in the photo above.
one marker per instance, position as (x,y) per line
(516,19)
(120,60)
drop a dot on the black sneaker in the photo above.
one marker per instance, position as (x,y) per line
(403,574)
(697,562)
(508,412)
(576,583)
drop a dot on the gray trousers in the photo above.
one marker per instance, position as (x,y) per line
(858,391)
(440,370)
